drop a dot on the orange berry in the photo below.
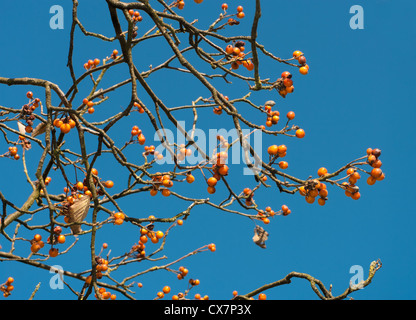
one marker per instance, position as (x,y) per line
(376,173)
(283,165)
(240,15)
(190,178)
(224,6)
(166,289)
(229,49)
(322,171)
(180,222)
(119,215)
(53,252)
(290,115)
(262,296)
(300,133)
(273,150)
(61,238)
(304,70)
(212,182)
(223,170)
(159,234)
(109,184)
(297,54)
(211,190)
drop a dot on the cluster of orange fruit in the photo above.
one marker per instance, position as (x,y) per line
(219,169)
(249,194)
(135,15)
(7,287)
(65,124)
(100,267)
(159,180)
(165,290)
(240,14)
(150,234)
(13,153)
(275,150)
(36,243)
(89,104)
(104,294)
(313,189)
(182,272)
(139,107)
(218,110)
(304,68)
(57,237)
(118,218)
(373,160)
(151,150)
(136,132)
(91,64)
(268,212)
(287,84)
(376,174)
(183,152)
(27,111)
(237,55)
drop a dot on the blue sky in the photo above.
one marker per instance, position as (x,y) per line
(358,94)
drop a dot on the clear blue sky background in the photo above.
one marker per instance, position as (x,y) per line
(358,94)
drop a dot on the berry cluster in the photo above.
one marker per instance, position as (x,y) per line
(7,287)
(36,243)
(118,218)
(285,84)
(27,111)
(136,132)
(57,237)
(91,64)
(235,53)
(139,107)
(104,294)
(64,124)
(159,180)
(303,68)
(312,190)
(150,150)
(13,153)
(218,110)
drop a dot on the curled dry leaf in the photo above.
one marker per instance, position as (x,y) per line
(77,212)
(260,236)
(39,129)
